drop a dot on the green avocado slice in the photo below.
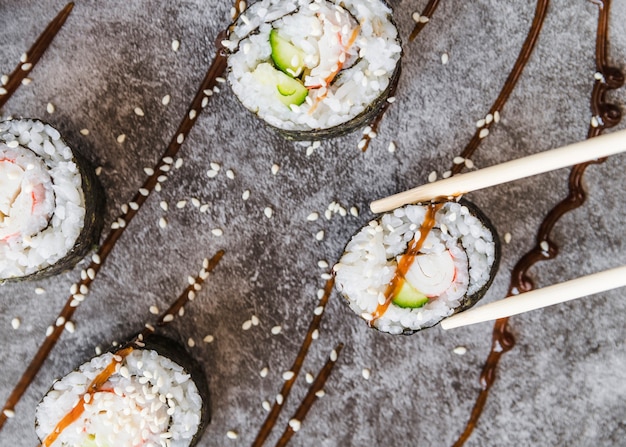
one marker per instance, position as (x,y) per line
(286,56)
(409,297)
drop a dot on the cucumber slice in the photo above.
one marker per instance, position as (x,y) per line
(288,90)
(409,297)
(286,56)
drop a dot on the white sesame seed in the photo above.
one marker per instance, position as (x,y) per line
(480,123)
(230,174)
(154,310)
(138,111)
(124,208)
(322,264)
(181,204)
(269,212)
(231,434)
(98,350)
(594,121)
(333,356)
(488,118)
(180,138)
(133,205)
(458,160)
(40,291)
(432,176)
(246,194)
(276,330)
(166,100)
(544,246)
(460,350)
(275,169)
(263,373)
(255,320)
(3,91)
(288,375)
(27,66)
(162,222)
(446,174)
(204,208)
(4,79)
(49,331)
(98,170)
(312,217)
(208,339)
(315,334)
(9,413)
(507,238)
(366,373)
(205,102)
(83,289)
(309,378)
(279,399)
(469,164)
(295,424)
(163,205)
(444,58)
(175,45)
(60,321)
(320,393)
(70,327)
(483,133)
(190,342)
(319,235)
(496,117)
(50,108)
(392,147)
(15,323)
(416,16)
(217,232)
(362,142)
(157,187)
(211,173)
(266,405)
(91,273)
(84,132)
(167,318)
(121,138)
(246,325)
(195,202)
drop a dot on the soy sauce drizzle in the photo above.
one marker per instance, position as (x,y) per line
(606,116)
(272,417)
(34,54)
(404,264)
(199,101)
(428,12)
(510,83)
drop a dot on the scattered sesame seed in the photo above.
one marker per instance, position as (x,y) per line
(483,133)
(424,19)
(416,16)
(4,79)
(121,138)
(246,325)
(544,246)
(312,217)
(49,331)
(167,318)
(163,205)
(98,170)
(366,373)
(204,208)
(266,405)
(230,174)
(181,204)
(26,81)
(392,147)
(211,173)
(15,323)
(268,212)
(320,393)
(255,320)
(166,100)
(9,413)
(3,91)
(246,194)
(180,138)
(263,373)
(460,350)
(319,235)
(195,202)
(594,121)
(333,356)
(27,66)
(190,342)
(154,310)
(133,205)
(322,264)
(295,424)
(84,132)
(175,45)
(362,142)
(488,118)
(60,321)
(217,232)
(40,291)
(157,187)
(162,222)
(447,174)
(480,123)
(50,108)
(315,334)
(444,58)
(276,330)
(231,434)
(139,111)
(469,164)
(208,339)
(496,117)
(275,169)
(70,327)
(279,399)
(458,160)
(432,176)
(507,238)
(288,375)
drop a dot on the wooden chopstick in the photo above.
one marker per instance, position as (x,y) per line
(536,299)
(591,149)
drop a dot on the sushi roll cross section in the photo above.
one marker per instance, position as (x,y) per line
(50,201)
(133,397)
(416,265)
(314,69)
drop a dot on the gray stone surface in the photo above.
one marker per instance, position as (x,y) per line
(565,381)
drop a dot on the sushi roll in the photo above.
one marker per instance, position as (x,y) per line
(51,204)
(155,395)
(416,265)
(314,68)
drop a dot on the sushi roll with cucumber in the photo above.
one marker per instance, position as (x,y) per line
(314,68)
(412,267)
(51,203)
(153,395)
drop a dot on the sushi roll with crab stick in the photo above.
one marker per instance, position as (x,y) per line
(418,264)
(51,203)
(143,394)
(314,68)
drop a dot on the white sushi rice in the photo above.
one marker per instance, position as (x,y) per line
(370,262)
(42,205)
(369,67)
(149,400)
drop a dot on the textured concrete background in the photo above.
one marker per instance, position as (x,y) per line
(565,381)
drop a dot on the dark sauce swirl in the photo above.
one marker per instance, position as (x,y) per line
(605,115)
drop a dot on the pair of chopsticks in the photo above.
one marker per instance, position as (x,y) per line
(584,151)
